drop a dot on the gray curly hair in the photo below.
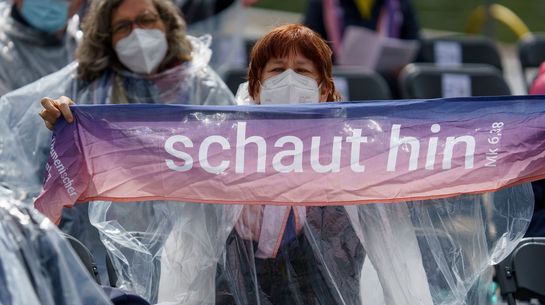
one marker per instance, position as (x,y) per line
(95,54)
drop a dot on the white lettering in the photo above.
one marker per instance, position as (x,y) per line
(449,147)
(67,182)
(432,147)
(356,139)
(169,147)
(296,153)
(491,161)
(203,154)
(395,142)
(292,152)
(335,165)
(242,141)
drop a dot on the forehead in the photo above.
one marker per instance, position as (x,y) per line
(291,58)
(129,9)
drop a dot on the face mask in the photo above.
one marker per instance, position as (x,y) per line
(143,50)
(289,87)
(46,15)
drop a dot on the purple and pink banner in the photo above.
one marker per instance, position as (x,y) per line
(323,154)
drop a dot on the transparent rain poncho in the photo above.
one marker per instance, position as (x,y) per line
(28,54)
(37,265)
(424,252)
(437,251)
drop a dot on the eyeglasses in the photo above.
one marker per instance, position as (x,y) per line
(145,20)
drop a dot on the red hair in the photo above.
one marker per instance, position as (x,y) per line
(290,39)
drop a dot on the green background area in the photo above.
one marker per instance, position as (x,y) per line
(449,15)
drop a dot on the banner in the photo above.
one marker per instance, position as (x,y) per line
(322,154)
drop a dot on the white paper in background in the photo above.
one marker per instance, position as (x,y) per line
(341,84)
(364,48)
(396,53)
(447,53)
(456,85)
(360,47)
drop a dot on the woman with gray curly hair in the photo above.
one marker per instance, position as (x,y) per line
(109,22)
(132,51)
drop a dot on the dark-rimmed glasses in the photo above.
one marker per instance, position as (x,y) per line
(145,20)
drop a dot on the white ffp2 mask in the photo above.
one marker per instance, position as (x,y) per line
(289,87)
(143,50)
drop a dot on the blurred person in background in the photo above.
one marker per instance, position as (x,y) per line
(389,18)
(34,40)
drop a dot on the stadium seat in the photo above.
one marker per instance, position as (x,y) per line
(455,50)
(359,86)
(422,81)
(521,276)
(84,255)
(531,52)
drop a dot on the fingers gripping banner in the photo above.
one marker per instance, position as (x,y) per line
(325,154)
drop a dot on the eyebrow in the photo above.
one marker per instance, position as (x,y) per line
(298,62)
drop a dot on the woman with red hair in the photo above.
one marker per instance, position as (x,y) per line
(310,255)
(293,50)
(281,254)
(296,254)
